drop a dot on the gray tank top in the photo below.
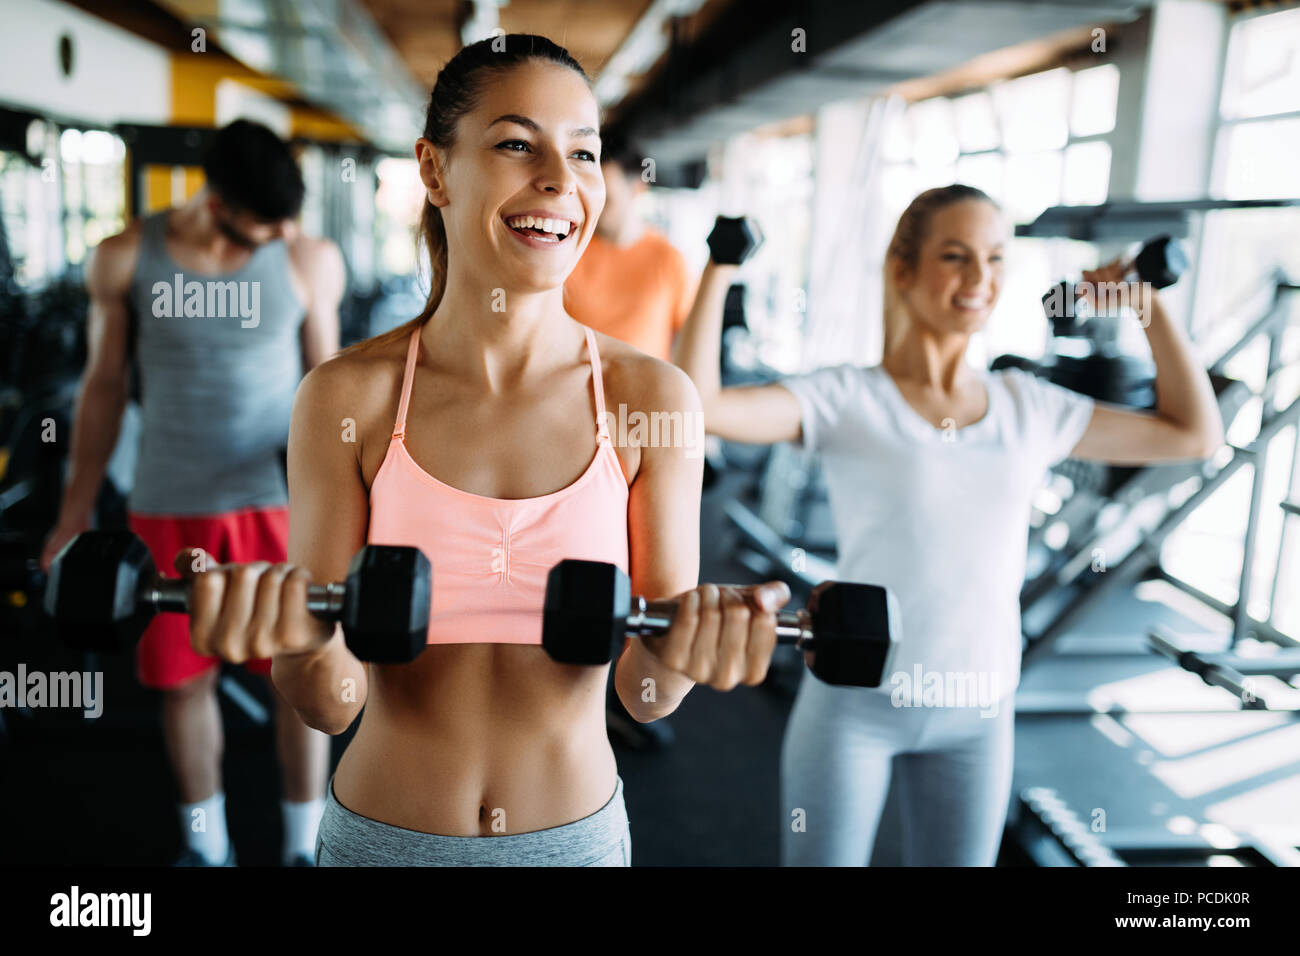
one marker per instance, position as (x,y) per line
(219,363)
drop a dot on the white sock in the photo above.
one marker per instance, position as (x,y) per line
(300,823)
(204,826)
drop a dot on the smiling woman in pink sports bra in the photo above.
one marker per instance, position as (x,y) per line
(477,433)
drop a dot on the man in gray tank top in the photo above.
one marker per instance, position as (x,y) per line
(232,305)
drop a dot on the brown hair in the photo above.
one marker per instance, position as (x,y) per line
(456,92)
(910,233)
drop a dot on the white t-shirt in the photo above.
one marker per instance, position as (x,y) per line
(939,516)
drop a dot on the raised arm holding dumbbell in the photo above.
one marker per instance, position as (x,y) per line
(1158,264)
(699,342)
(1186,422)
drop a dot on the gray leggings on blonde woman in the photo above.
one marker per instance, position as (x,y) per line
(843,745)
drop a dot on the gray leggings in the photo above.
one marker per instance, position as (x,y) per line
(952,768)
(346,838)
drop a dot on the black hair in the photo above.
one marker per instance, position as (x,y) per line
(619,148)
(251,169)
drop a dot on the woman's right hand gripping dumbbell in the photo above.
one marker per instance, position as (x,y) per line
(250,611)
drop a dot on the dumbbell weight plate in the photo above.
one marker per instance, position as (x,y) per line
(734,239)
(855,628)
(386,602)
(587,603)
(1162,261)
(95,609)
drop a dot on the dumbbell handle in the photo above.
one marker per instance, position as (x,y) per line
(325,601)
(650,618)
(1213,674)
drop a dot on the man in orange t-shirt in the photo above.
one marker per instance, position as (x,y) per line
(630,283)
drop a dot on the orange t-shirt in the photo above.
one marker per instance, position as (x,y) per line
(640,293)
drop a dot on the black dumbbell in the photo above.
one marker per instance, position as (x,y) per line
(590,609)
(104,589)
(733,240)
(1161,262)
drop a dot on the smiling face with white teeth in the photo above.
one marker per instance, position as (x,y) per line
(520,189)
(956,280)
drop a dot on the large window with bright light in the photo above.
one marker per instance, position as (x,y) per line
(1030,143)
(61,202)
(94,195)
(399,200)
(769,178)
(1259,133)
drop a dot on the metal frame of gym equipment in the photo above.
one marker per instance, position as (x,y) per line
(1233,672)
(1083,586)
(765,552)
(1044,825)
(1128,221)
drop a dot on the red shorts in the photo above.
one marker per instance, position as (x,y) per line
(164,657)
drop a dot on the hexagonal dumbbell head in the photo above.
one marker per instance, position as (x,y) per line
(1060,305)
(386,604)
(733,240)
(1161,261)
(854,633)
(93,590)
(587,604)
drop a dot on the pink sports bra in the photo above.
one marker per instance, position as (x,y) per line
(490,556)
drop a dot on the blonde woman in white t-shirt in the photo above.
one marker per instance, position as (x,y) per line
(930,466)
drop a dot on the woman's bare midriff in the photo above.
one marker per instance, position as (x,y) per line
(480,740)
